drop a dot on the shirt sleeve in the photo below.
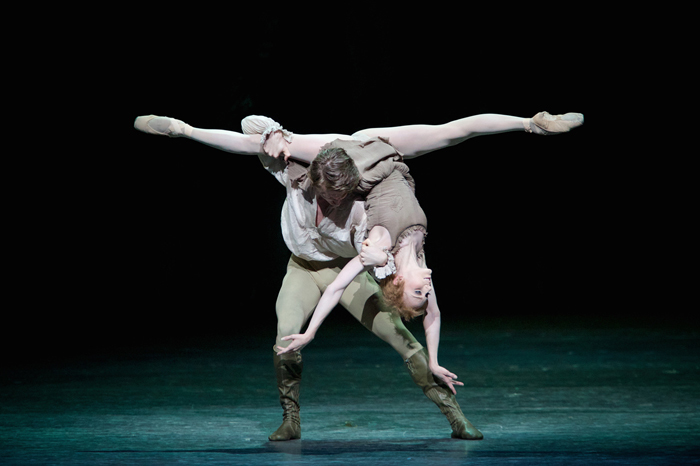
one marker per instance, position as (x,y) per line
(277,167)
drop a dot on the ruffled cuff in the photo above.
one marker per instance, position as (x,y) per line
(276,127)
(388,269)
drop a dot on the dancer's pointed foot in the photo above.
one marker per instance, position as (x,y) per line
(546,124)
(163,126)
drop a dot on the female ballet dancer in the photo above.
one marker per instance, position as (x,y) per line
(397,225)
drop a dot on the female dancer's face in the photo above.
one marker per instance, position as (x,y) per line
(417,286)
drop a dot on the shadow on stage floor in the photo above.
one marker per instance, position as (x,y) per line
(549,392)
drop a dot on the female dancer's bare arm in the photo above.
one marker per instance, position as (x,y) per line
(432,324)
(330,298)
(379,236)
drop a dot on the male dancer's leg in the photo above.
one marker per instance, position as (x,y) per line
(296,301)
(363,299)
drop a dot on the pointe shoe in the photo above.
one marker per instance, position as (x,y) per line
(162,126)
(546,124)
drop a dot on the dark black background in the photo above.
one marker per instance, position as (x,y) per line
(133,238)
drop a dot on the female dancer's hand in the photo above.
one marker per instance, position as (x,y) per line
(447,377)
(299,340)
(372,256)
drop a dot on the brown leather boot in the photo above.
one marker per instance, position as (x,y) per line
(442,396)
(288,369)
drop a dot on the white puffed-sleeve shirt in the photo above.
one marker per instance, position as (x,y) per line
(340,233)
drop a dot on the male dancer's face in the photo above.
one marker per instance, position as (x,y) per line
(334,198)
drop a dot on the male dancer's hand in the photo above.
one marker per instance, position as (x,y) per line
(276,145)
(372,256)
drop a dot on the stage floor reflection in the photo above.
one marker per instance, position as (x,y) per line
(541,394)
